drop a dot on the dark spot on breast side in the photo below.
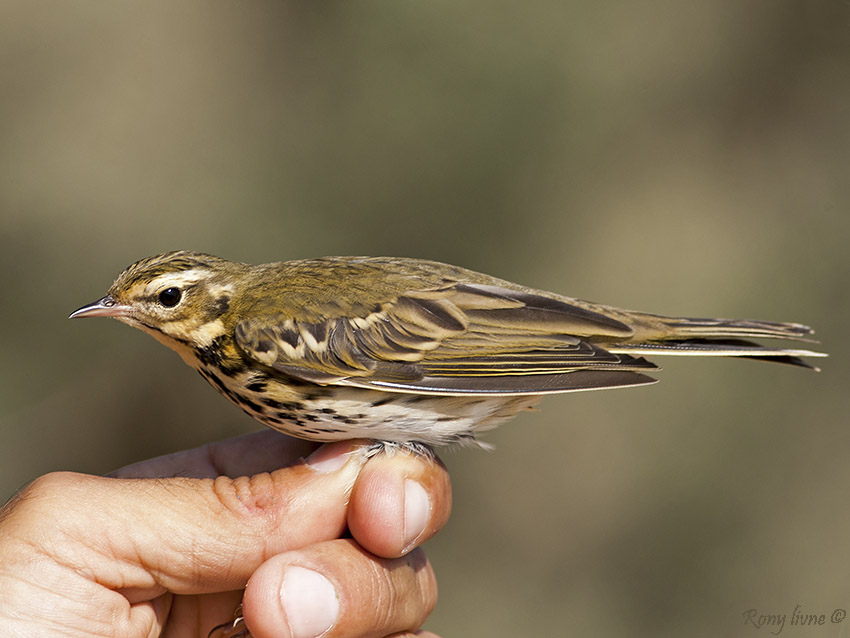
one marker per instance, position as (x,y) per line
(211,356)
(220,306)
(250,405)
(213,378)
(280,405)
(257,386)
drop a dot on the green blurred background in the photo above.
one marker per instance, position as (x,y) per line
(681,158)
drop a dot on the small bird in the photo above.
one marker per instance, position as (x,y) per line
(406,352)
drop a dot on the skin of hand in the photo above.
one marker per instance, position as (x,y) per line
(165,547)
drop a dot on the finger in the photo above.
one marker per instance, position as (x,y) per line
(338,590)
(399,502)
(184,535)
(244,455)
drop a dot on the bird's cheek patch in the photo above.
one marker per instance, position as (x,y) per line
(201,335)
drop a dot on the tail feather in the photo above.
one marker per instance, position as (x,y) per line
(725,338)
(685,327)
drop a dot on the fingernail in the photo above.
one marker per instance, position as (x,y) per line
(417,510)
(310,602)
(329,458)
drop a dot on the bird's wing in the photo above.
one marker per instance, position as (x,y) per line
(460,339)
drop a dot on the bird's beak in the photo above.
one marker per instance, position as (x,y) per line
(104,307)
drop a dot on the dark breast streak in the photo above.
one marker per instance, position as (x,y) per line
(331,413)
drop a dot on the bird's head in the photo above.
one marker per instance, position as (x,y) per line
(181,296)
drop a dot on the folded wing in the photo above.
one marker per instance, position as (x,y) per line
(460,339)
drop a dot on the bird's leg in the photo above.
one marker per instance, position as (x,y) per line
(375,447)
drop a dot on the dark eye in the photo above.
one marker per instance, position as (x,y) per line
(170,297)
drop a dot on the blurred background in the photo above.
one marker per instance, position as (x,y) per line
(670,157)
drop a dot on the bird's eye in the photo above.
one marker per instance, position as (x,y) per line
(170,297)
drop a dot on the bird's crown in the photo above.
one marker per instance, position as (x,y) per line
(174,262)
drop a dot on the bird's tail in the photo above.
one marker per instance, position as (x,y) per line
(722,338)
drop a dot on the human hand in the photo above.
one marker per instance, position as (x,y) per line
(133,557)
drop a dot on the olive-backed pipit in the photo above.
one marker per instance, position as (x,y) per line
(406,352)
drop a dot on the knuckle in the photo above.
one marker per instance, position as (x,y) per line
(250,499)
(49,499)
(50,492)
(50,485)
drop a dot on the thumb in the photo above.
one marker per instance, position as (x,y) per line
(143,537)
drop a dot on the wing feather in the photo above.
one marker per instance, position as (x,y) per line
(455,339)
